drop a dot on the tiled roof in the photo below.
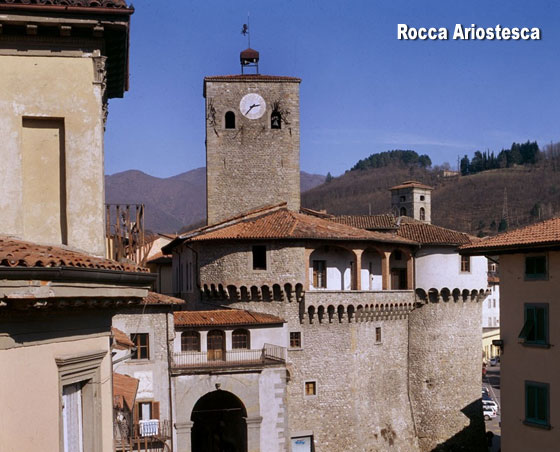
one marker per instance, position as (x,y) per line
(121,340)
(251,77)
(411,184)
(429,234)
(384,221)
(543,234)
(249,53)
(158,298)
(71,3)
(17,253)
(281,223)
(160,258)
(224,317)
(124,391)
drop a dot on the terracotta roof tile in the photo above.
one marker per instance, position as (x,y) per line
(429,234)
(411,184)
(121,340)
(384,221)
(124,391)
(251,77)
(17,253)
(71,3)
(158,298)
(224,317)
(281,223)
(543,234)
(160,258)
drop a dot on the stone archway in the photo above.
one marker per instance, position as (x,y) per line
(219,423)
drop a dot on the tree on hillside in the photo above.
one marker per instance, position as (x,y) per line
(395,157)
(328,178)
(465,164)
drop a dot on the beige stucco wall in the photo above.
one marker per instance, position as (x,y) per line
(62,88)
(521,363)
(31,396)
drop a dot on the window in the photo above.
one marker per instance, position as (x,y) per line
(536,403)
(310,388)
(320,274)
(295,339)
(275,120)
(146,418)
(259,257)
(240,339)
(535,267)
(142,343)
(465,264)
(80,402)
(230,120)
(422,197)
(403,198)
(378,334)
(422,214)
(535,328)
(190,341)
(494,302)
(403,212)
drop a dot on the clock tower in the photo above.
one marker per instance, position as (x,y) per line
(252,142)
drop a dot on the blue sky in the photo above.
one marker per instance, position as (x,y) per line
(362,91)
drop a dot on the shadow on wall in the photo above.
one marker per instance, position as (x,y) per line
(473,437)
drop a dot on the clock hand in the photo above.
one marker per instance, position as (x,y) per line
(250,108)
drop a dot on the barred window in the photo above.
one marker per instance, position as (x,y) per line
(295,339)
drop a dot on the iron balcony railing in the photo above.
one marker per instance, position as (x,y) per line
(269,354)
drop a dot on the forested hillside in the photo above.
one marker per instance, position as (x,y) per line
(472,203)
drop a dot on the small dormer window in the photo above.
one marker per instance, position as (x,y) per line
(275,120)
(422,214)
(230,120)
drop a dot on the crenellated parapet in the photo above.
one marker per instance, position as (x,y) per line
(267,292)
(434,295)
(355,306)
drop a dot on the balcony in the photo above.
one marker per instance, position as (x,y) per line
(151,434)
(219,359)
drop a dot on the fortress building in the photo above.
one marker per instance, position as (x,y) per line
(321,335)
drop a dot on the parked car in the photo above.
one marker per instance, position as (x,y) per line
(490,404)
(488,413)
(484,391)
(494,361)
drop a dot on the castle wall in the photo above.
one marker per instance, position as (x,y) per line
(445,374)
(231,263)
(252,165)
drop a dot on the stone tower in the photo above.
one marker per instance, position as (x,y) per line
(252,143)
(412,199)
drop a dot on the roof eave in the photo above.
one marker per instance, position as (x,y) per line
(510,249)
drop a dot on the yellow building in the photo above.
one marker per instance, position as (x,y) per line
(530,327)
(59,63)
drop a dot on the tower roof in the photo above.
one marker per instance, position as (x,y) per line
(411,184)
(249,54)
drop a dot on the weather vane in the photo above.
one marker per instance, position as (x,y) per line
(245,31)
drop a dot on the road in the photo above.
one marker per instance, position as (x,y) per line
(492,382)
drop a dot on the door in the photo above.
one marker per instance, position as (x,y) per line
(216,345)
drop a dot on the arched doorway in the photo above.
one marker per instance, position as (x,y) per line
(219,423)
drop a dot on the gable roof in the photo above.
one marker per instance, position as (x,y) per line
(224,317)
(408,228)
(545,234)
(155,298)
(411,184)
(19,253)
(279,223)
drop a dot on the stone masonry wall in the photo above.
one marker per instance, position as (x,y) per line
(231,263)
(445,375)
(251,165)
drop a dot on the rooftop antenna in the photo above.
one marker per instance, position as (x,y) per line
(249,57)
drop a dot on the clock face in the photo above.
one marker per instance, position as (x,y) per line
(252,106)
